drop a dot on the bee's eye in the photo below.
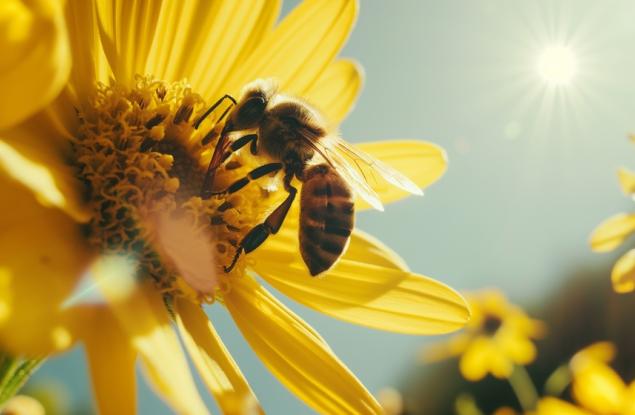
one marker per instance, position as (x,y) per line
(250,112)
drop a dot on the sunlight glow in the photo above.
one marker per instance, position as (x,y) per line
(557,65)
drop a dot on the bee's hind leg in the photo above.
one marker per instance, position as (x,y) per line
(259,233)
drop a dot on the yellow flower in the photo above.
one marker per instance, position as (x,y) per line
(34,45)
(498,336)
(391,401)
(596,389)
(600,352)
(611,233)
(85,177)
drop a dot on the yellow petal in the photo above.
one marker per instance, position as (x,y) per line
(627,181)
(289,349)
(602,352)
(482,357)
(216,366)
(599,389)
(89,61)
(36,160)
(553,406)
(623,274)
(473,362)
(442,350)
(299,49)
(142,314)
(368,286)
(203,40)
(127,30)
(629,400)
(335,91)
(610,234)
(424,163)
(42,255)
(35,59)
(111,356)
(517,347)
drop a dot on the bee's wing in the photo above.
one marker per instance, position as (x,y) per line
(366,163)
(333,156)
(352,176)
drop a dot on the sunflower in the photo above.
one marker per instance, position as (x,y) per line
(611,233)
(498,337)
(102,133)
(596,388)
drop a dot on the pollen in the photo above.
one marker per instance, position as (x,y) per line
(143,153)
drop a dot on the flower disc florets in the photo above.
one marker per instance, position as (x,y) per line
(141,157)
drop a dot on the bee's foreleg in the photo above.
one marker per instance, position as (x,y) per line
(259,233)
(211,109)
(206,191)
(255,174)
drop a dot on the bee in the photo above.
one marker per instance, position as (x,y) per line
(294,138)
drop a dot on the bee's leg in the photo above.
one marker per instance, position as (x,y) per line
(241,142)
(206,190)
(198,122)
(259,233)
(255,174)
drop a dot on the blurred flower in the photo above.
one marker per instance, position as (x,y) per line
(498,336)
(22,405)
(34,45)
(611,233)
(597,390)
(600,352)
(596,387)
(104,185)
(391,401)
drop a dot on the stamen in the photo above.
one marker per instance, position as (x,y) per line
(140,155)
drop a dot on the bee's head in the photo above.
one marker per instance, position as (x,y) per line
(252,105)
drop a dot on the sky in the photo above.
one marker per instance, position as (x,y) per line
(532,165)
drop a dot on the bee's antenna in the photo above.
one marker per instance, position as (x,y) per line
(198,122)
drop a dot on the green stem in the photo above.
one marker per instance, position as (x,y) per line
(14,372)
(524,388)
(558,381)
(466,405)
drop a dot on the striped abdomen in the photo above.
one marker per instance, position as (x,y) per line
(326,218)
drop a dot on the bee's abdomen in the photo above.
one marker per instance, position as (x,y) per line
(326,218)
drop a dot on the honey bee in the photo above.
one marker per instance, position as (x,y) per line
(294,138)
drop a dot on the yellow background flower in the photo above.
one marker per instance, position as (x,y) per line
(498,336)
(611,233)
(596,388)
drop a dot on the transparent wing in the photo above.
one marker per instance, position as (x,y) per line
(352,176)
(366,163)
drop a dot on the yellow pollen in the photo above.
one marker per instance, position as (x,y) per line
(141,157)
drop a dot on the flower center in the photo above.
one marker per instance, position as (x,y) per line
(491,324)
(142,157)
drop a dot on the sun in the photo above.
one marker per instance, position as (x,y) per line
(557,65)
